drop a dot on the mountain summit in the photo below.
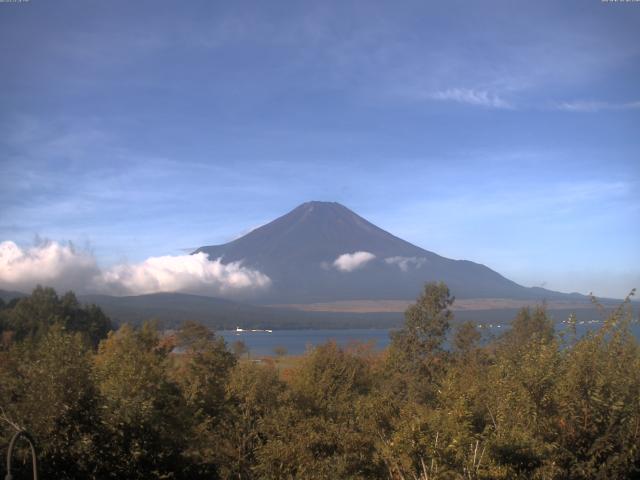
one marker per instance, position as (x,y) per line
(322,251)
(314,231)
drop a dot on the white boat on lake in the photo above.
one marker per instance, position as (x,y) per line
(253,330)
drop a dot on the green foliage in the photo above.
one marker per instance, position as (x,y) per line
(47,390)
(466,337)
(204,368)
(254,393)
(142,411)
(416,357)
(150,405)
(529,326)
(426,324)
(202,374)
(598,403)
(32,316)
(317,432)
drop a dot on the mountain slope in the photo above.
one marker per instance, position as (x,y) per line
(171,309)
(298,251)
(8,295)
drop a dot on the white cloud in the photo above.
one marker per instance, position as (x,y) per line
(404,263)
(183,273)
(481,98)
(65,267)
(48,263)
(349,262)
(595,106)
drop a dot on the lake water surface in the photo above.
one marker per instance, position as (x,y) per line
(297,341)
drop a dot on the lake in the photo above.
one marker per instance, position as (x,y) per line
(297,341)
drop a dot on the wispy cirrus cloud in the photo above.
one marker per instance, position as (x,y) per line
(479,98)
(596,106)
(405,263)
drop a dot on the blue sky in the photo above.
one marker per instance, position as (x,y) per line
(500,132)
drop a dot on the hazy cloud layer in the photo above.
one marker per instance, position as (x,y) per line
(405,263)
(65,267)
(480,98)
(349,262)
(596,106)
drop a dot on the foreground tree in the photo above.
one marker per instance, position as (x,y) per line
(596,426)
(318,432)
(254,393)
(416,355)
(143,412)
(46,388)
(202,371)
(32,316)
(148,405)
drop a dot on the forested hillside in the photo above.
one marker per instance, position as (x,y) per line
(136,404)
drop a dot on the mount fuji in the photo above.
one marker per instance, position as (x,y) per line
(324,252)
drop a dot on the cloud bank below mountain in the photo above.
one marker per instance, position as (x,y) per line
(48,263)
(65,267)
